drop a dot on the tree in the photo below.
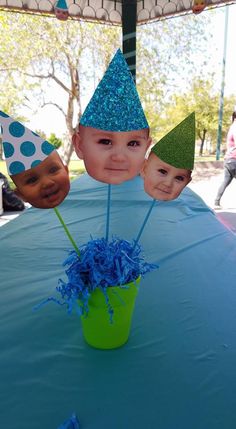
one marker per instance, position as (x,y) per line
(172,54)
(41,56)
(63,57)
(202,98)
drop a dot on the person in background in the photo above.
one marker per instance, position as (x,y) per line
(229,161)
(11,202)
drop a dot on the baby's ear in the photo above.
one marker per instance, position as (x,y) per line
(143,170)
(77,143)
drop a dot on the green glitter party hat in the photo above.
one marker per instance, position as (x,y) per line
(115,104)
(177,147)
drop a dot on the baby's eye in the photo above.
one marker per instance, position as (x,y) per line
(54,169)
(180,178)
(31,180)
(105,141)
(133,143)
(162,171)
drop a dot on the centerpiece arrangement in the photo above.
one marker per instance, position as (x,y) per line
(102,284)
(112,139)
(113,136)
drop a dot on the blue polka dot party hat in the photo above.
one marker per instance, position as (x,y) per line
(23,149)
(115,104)
(177,147)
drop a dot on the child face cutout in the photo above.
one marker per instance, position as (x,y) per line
(46,185)
(162,181)
(111,157)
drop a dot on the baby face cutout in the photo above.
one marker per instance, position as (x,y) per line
(46,185)
(162,181)
(112,157)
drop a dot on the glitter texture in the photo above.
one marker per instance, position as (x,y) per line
(177,147)
(115,104)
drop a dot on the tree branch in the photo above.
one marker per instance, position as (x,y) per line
(50,103)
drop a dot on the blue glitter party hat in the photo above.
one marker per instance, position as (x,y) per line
(22,148)
(177,147)
(115,104)
(61,4)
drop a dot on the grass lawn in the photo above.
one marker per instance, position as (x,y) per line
(76,167)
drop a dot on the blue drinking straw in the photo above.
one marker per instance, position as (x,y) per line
(144,222)
(108,211)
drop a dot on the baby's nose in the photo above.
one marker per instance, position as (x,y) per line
(118,155)
(47,182)
(168,181)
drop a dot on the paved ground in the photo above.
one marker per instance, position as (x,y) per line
(206,180)
(6,217)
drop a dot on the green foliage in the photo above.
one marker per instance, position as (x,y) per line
(41,134)
(171,55)
(204,100)
(66,59)
(39,53)
(55,141)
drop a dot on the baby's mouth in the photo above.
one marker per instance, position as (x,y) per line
(50,194)
(116,169)
(163,191)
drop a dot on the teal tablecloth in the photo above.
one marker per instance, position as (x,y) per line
(178,369)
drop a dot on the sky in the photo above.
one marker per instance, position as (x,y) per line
(49,120)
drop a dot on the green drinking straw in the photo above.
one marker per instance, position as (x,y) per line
(66,230)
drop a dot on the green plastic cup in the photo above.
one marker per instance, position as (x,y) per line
(98,330)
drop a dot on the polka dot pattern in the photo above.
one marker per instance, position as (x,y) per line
(4,115)
(23,148)
(27,148)
(16,167)
(47,148)
(16,129)
(35,163)
(8,149)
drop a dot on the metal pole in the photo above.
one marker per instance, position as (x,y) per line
(221,105)
(129,16)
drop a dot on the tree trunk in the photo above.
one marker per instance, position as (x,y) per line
(67,150)
(203,138)
(74,96)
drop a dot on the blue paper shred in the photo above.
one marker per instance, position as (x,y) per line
(101,264)
(71,423)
